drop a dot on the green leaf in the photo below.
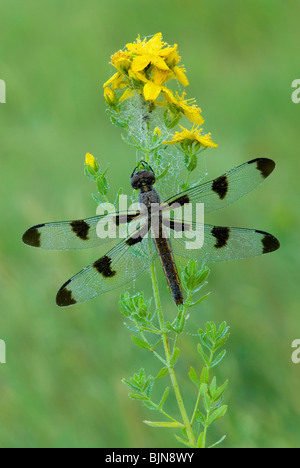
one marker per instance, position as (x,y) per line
(217,414)
(200,417)
(163,424)
(164,397)
(200,440)
(180,321)
(204,339)
(175,356)
(200,300)
(219,391)
(207,402)
(218,442)
(222,330)
(141,343)
(164,172)
(220,342)
(212,387)
(211,331)
(148,385)
(150,405)
(162,373)
(135,396)
(193,376)
(130,385)
(219,358)
(204,375)
(117,123)
(203,355)
(183,441)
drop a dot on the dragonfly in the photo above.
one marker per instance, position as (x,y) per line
(135,253)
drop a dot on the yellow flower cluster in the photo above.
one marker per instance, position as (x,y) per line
(145,66)
(194,136)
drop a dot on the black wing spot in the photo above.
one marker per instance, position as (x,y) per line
(222,235)
(264,165)
(125,218)
(134,240)
(81,229)
(181,200)
(177,226)
(220,186)
(269,242)
(103,267)
(64,296)
(33,236)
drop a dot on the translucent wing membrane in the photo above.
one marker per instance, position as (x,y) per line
(222,243)
(79,234)
(119,266)
(228,188)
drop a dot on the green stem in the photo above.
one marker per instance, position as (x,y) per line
(198,401)
(171,370)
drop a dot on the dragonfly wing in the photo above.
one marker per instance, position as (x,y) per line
(122,264)
(217,243)
(79,234)
(228,188)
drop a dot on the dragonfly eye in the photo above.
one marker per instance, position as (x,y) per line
(142,178)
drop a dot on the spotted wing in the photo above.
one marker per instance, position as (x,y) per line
(79,234)
(227,188)
(207,243)
(122,264)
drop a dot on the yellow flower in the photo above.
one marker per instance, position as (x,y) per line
(146,52)
(157,131)
(171,56)
(153,87)
(109,95)
(127,94)
(91,161)
(115,81)
(121,61)
(192,112)
(179,73)
(192,136)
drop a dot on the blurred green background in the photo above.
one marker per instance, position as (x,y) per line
(61,386)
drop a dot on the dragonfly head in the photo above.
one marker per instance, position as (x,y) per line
(142,176)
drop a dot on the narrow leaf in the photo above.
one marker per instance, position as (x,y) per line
(163,424)
(135,396)
(183,441)
(204,375)
(218,442)
(200,440)
(163,398)
(200,417)
(217,414)
(141,343)
(193,376)
(219,358)
(162,373)
(175,356)
(203,355)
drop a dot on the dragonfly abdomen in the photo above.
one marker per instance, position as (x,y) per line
(169,266)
